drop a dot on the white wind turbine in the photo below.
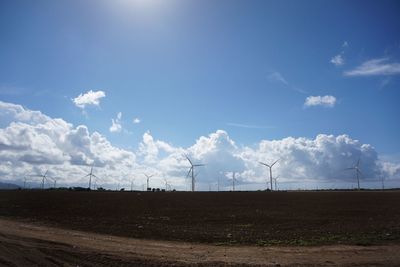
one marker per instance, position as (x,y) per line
(148,178)
(275,180)
(43,176)
(358,172)
(132,181)
(25,179)
(191,171)
(167,184)
(270,170)
(233,181)
(90,174)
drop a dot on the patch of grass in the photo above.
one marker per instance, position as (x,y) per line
(227,243)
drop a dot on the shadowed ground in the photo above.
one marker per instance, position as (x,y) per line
(251,218)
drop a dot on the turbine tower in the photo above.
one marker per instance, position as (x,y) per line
(233,181)
(43,176)
(55,182)
(90,174)
(275,180)
(191,171)
(270,170)
(167,185)
(133,180)
(148,178)
(358,172)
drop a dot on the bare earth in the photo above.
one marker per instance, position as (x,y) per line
(23,244)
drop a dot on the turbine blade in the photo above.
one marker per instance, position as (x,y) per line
(198,165)
(274,162)
(189,160)
(264,164)
(358,162)
(191,168)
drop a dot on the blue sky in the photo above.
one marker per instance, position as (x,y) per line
(186,69)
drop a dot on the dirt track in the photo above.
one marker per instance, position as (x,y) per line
(23,244)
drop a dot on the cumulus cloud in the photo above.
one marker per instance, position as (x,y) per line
(324,158)
(116,126)
(375,67)
(325,101)
(31,143)
(89,98)
(136,120)
(337,60)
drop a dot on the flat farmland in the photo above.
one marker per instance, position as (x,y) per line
(221,218)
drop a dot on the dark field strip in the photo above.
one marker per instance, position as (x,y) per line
(259,218)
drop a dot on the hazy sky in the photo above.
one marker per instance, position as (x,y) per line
(177,71)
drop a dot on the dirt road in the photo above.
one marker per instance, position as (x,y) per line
(23,244)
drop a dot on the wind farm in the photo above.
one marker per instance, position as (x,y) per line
(180,133)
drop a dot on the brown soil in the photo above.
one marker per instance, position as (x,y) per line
(23,244)
(251,218)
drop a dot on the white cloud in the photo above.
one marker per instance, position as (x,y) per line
(116,126)
(323,158)
(325,101)
(32,142)
(88,98)
(277,77)
(375,67)
(136,120)
(249,126)
(337,60)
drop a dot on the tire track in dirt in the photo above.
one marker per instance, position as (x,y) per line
(23,244)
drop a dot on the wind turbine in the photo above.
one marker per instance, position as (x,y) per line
(24,182)
(132,183)
(167,185)
(191,171)
(148,178)
(358,172)
(233,181)
(270,170)
(43,176)
(55,182)
(90,174)
(275,180)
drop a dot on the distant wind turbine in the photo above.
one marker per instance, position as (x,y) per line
(90,174)
(148,178)
(24,182)
(43,176)
(275,180)
(233,181)
(167,185)
(55,182)
(358,172)
(133,179)
(191,171)
(270,170)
